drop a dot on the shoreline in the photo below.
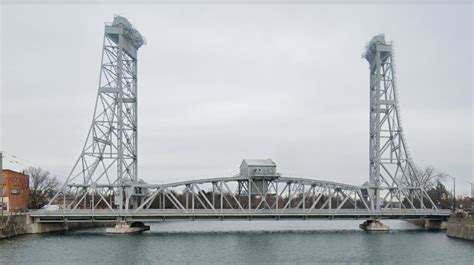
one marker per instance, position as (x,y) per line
(22,224)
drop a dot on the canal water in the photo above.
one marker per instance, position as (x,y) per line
(242,242)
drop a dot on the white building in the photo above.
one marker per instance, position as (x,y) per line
(258,168)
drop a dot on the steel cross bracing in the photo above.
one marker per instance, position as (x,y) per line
(109,155)
(239,197)
(103,184)
(392,172)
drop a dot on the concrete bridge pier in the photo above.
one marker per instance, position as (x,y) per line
(124,227)
(429,224)
(374,225)
(435,225)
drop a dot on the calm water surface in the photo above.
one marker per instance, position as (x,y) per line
(241,242)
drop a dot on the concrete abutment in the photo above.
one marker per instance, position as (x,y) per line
(22,224)
(435,225)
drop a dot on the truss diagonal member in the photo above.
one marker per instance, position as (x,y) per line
(106,202)
(174,201)
(315,202)
(80,200)
(263,199)
(205,198)
(342,203)
(235,199)
(150,199)
(199,192)
(290,197)
(279,196)
(346,198)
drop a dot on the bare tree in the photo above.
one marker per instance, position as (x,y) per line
(43,186)
(429,177)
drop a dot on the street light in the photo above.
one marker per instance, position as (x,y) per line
(454,193)
(472,190)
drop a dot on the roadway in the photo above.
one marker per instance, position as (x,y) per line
(107,215)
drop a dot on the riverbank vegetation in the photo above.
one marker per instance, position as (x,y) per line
(43,186)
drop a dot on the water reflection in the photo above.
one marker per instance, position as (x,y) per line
(241,242)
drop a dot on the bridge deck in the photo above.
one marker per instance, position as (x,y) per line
(226,214)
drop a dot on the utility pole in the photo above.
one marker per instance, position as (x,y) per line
(454,193)
(437,192)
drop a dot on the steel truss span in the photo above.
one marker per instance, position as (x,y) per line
(236,197)
(103,184)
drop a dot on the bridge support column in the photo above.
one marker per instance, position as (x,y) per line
(374,225)
(126,228)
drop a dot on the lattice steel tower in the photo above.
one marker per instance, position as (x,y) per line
(109,156)
(391,170)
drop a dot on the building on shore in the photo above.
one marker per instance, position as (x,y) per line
(14,191)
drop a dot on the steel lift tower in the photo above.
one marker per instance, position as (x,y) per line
(109,156)
(392,173)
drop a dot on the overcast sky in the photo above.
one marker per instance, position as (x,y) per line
(219,83)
